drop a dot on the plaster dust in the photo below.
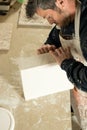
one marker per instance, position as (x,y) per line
(5,35)
(8,96)
(39,114)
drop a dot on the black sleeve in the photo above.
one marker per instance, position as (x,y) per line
(76,73)
(53,38)
(84,2)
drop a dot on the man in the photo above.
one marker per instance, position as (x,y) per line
(68,45)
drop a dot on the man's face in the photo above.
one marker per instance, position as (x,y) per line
(54,17)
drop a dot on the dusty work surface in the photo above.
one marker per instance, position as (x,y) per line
(5,36)
(46,113)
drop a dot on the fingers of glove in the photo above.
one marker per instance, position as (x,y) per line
(53,53)
(51,47)
(41,51)
(60,51)
(45,49)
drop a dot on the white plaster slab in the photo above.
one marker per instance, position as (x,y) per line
(41,80)
(5,35)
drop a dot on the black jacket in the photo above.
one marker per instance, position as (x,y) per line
(76,71)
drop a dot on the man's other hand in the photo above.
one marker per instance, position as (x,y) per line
(61,54)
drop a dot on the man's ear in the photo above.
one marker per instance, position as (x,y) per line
(59,3)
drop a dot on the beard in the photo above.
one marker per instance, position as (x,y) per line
(66,21)
(66,18)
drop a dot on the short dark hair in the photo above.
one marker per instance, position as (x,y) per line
(32,5)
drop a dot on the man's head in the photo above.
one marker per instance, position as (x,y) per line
(32,6)
(60,12)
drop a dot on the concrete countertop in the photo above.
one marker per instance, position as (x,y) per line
(46,113)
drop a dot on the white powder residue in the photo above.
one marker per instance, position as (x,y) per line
(8,95)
